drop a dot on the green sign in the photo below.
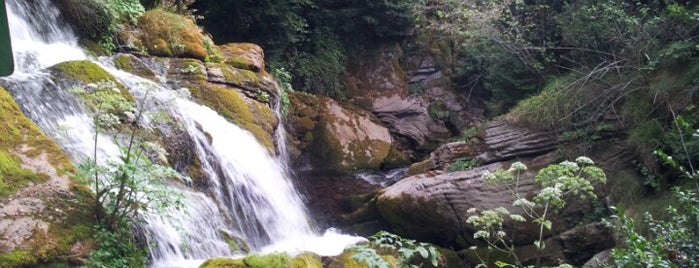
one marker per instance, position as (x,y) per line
(7,64)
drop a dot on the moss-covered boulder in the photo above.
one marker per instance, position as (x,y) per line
(347,138)
(42,214)
(246,56)
(274,260)
(171,35)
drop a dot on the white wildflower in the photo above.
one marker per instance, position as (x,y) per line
(570,165)
(517,166)
(584,160)
(488,176)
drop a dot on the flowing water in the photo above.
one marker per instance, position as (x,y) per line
(248,196)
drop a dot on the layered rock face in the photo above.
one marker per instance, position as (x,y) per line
(416,102)
(433,205)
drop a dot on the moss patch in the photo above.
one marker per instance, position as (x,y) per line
(232,106)
(274,260)
(83,71)
(396,159)
(13,176)
(223,263)
(306,260)
(245,56)
(168,34)
(17,130)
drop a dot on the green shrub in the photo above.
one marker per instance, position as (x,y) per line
(409,253)
(463,164)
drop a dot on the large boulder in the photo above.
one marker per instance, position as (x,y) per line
(338,136)
(348,138)
(246,56)
(167,34)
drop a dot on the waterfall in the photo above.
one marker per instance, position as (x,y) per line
(248,195)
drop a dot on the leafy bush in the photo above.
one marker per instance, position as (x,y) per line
(462,164)
(284,80)
(409,252)
(673,241)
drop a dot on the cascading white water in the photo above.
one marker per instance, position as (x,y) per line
(248,195)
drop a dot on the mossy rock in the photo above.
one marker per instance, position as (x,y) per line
(259,86)
(129,63)
(419,167)
(245,56)
(273,260)
(85,72)
(223,263)
(345,260)
(17,130)
(63,218)
(396,158)
(347,139)
(231,105)
(91,19)
(306,260)
(301,120)
(189,70)
(171,35)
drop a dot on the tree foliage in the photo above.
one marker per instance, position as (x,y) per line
(310,38)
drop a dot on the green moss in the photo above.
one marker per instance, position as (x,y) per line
(17,258)
(396,158)
(345,260)
(223,263)
(123,62)
(13,176)
(306,260)
(17,130)
(168,34)
(274,260)
(419,167)
(240,77)
(232,106)
(84,71)
(239,63)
